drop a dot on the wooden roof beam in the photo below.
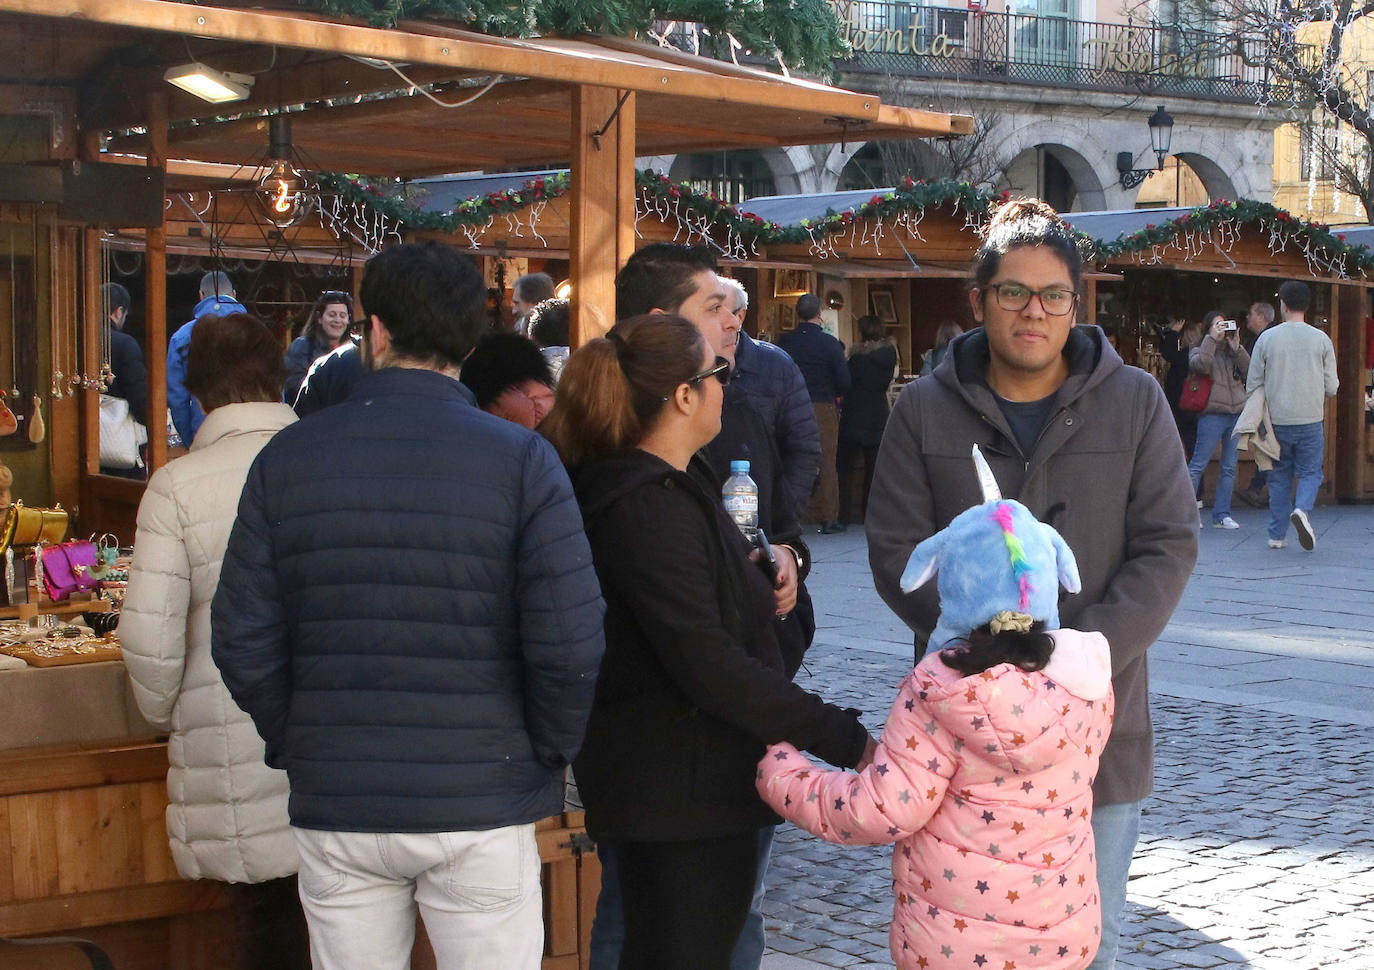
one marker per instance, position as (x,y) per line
(457,50)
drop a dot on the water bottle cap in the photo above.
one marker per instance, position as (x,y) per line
(739,467)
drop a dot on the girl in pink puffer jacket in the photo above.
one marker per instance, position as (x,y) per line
(983,776)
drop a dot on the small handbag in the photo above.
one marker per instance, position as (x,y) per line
(28,527)
(1196,390)
(120,434)
(67,568)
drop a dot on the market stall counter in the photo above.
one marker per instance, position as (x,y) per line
(83,843)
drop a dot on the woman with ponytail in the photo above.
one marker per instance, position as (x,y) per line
(692,685)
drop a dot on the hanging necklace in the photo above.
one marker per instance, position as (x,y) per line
(56,343)
(14,316)
(107,375)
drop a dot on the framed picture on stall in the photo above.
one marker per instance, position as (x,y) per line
(883,306)
(791,282)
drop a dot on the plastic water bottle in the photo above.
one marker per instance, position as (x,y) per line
(741,497)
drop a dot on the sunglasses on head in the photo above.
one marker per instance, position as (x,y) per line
(721,372)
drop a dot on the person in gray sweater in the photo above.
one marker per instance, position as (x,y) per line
(1089,446)
(1295,364)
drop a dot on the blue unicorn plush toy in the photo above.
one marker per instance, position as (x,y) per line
(997,565)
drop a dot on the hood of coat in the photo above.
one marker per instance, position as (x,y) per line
(599,484)
(1092,359)
(217,304)
(1007,716)
(236,419)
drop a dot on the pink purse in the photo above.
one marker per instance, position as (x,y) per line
(67,568)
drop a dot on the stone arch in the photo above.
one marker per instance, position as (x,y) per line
(925,161)
(1070,144)
(809,168)
(1215,180)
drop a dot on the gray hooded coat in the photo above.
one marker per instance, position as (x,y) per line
(1107,472)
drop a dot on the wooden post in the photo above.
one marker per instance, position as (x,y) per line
(602,208)
(155,296)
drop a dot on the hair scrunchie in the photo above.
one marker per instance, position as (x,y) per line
(1009,621)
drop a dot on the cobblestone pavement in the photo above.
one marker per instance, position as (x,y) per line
(1256,850)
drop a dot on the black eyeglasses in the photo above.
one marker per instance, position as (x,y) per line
(1056,301)
(720,372)
(336,296)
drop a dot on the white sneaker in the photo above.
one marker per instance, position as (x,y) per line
(1306,537)
(1275,543)
(1226,523)
(1199,503)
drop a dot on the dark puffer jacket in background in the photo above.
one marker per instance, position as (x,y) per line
(409,613)
(773,385)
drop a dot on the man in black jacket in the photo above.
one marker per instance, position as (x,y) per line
(821,359)
(130,380)
(409,613)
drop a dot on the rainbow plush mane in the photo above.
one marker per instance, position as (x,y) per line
(1020,565)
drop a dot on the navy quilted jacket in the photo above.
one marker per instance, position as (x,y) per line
(774,387)
(409,613)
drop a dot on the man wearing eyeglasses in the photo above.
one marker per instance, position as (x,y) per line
(1088,444)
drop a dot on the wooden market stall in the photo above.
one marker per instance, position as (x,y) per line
(1226,256)
(81,840)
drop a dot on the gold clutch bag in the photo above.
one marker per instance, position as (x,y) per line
(27,527)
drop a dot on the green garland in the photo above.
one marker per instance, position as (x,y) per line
(389,200)
(805,33)
(1203,218)
(911,196)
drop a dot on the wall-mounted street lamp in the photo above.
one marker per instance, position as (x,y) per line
(1161,132)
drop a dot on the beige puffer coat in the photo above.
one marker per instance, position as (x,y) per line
(1227,368)
(226,817)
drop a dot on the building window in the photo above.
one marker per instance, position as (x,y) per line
(732,176)
(1317,147)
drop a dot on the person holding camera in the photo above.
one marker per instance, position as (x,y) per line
(1221,357)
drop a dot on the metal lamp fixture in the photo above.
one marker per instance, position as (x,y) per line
(208,84)
(1161,134)
(283,190)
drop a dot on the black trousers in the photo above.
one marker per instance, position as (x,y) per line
(685,902)
(270,925)
(848,452)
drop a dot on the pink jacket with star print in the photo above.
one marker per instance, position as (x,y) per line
(984,783)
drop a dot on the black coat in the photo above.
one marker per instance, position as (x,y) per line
(408,611)
(865,406)
(692,685)
(331,379)
(131,374)
(745,435)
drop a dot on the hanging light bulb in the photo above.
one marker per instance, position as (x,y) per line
(283,191)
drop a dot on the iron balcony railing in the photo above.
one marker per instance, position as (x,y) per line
(911,40)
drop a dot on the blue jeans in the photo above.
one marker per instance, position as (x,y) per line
(749,949)
(608,927)
(1212,428)
(1115,830)
(1301,450)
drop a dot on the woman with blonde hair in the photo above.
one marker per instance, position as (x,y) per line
(692,684)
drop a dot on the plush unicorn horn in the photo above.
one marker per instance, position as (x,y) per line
(995,558)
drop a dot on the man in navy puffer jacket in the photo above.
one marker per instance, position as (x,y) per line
(409,613)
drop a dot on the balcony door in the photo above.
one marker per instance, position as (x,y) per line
(1044,32)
